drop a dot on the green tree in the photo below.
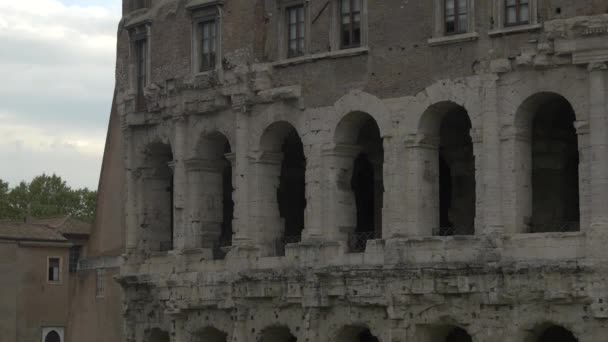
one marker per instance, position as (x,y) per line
(46,196)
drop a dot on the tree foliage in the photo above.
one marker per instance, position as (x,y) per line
(46,196)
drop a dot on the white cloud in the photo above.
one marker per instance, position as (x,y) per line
(57,68)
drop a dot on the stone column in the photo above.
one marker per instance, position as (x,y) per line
(378,163)
(480,171)
(240,332)
(313,227)
(180,183)
(339,201)
(131,210)
(491,177)
(242,221)
(598,119)
(422,186)
(517,178)
(266,219)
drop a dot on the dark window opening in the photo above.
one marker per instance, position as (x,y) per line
(366,336)
(278,334)
(54,270)
(227,207)
(555,159)
(557,334)
(210,334)
(456,175)
(52,336)
(208,34)
(517,12)
(458,335)
(141,70)
(295,31)
(350,23)
(456,16)
(75,252)
(291,194)
(362,184)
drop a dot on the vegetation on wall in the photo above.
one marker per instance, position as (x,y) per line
(46,196)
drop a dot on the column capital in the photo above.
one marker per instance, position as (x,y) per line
(597,66)
(265,157)
(197,164)
(512,132)
(422,140)
(341,150)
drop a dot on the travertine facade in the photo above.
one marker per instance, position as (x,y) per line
(411,186)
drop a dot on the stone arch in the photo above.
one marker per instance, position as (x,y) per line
(446,146)
(277,333)
(355,333)
(280,171)
(209,334)
(210,184)
(548,152)
(361,102)
(156,195)
(359,151)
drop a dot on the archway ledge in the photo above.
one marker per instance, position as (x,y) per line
(360,101)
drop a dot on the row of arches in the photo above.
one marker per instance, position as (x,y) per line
(547,153)
(360,333)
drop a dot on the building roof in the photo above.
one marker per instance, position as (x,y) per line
(20,231)
(66,225)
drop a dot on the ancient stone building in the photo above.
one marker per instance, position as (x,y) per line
(364,170)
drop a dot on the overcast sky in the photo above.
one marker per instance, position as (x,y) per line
(56,84)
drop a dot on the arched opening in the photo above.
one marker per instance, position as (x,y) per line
(52,336)
(210,334)
(556,334)
(212,206)
(458,335)
(449,169)
(277,334)
(156,217)
(361,134)
(157,335)
(356,334)
(456,174)
(281,172)
(555,158)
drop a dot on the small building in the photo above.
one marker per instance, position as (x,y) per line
(34,282)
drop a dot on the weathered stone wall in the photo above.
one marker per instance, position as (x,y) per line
(413,281)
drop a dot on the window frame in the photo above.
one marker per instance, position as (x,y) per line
(73,266)
(336,27)
(300,29)
(351,14)
(499,19)
(140,35)
(282,27)
(457,29)
(517,6)
(441,36)
(59,270)
(201,15)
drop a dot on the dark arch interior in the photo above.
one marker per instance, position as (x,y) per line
(211,335)
(557,334)
(555,195)
(158,220)
(367,186)
(458,335)
(52,336)
(456,174)
(277,334)
(157,335)
(291,194)
(366,336)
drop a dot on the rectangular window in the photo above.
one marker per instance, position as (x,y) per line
(517,12)
(141,70)
(295,31)
(54,270)
(208,34)
(456,16)
(74,257)
(100,278)
(350,23)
